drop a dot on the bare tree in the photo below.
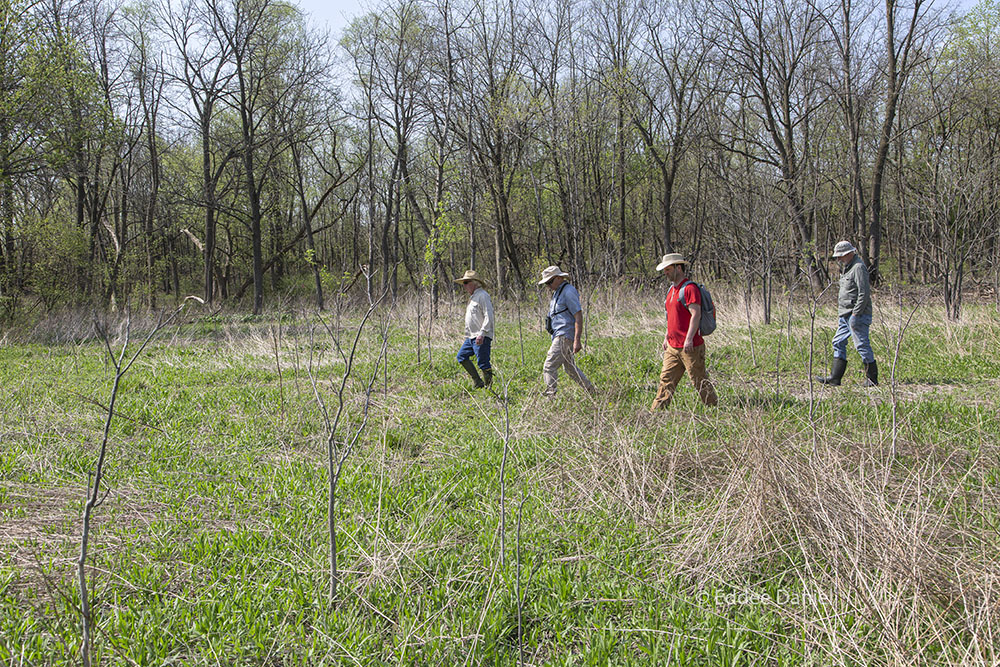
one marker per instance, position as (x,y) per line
(671,95)
(19,154)
(859,30)
(391,59)
(492,117)
(441,123)
(615,30)
(327,160)
(556,31)
(320,167)
(202,65)
(774,46)
(907,27)
(952,177)
(263,37)
(146,64)
(122,362)
(338,445)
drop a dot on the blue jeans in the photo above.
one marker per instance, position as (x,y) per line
(482,352)
(853,326)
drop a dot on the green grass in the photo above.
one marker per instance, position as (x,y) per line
(689,537)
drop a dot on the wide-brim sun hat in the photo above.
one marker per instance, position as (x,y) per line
(670,259)
(843,248)
(470,275)
(550,272)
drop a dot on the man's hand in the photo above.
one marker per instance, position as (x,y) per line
(665,345)
(688,346)
(577,331)
(479,340)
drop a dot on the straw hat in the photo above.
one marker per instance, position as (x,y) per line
(550,272)
(470,275)
(670,259)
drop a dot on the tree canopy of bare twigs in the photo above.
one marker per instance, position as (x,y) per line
(227,147)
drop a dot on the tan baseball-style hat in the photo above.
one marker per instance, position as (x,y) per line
(843,248)
(550,272)
(670,259)
(470,275)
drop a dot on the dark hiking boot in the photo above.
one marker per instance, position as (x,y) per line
(871,373)
(470,368)
(487,376)
(836,373)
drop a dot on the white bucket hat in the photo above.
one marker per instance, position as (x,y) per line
(669,260)
(842,248)
(550,272)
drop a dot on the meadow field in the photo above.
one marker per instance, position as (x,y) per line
(794,524)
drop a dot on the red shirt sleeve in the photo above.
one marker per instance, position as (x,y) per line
(692,294)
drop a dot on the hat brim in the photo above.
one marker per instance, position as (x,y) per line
(663,265)
(554,275)
(838,255)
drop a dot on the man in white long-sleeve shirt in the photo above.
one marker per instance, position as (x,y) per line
(478,331)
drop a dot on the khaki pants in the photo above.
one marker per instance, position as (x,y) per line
(561,354)
(675,362)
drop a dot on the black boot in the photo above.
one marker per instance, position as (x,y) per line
(871,370)
(470,368)
(836,373)
(487,376)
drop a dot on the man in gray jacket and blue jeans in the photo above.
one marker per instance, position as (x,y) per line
(854,311)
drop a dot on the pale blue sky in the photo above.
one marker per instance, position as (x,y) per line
(336,14)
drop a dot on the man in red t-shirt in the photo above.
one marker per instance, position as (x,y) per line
(683,346)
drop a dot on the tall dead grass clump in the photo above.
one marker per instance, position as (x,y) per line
(877,559)
(76,325)
(871,538)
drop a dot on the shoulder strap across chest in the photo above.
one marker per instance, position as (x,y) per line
(680,291)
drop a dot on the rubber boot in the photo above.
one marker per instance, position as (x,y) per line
(487,376)
(871,370)
(836,373)
(470,368)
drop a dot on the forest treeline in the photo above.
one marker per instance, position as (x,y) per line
(229,149)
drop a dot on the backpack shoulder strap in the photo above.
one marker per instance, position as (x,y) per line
(555,301)
(680,292)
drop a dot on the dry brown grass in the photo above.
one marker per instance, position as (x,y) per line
(891,557)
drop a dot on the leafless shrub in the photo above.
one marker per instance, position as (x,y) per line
(122,363)
(342,436)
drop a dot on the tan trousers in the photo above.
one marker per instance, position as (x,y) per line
(675,362)
(561,354)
